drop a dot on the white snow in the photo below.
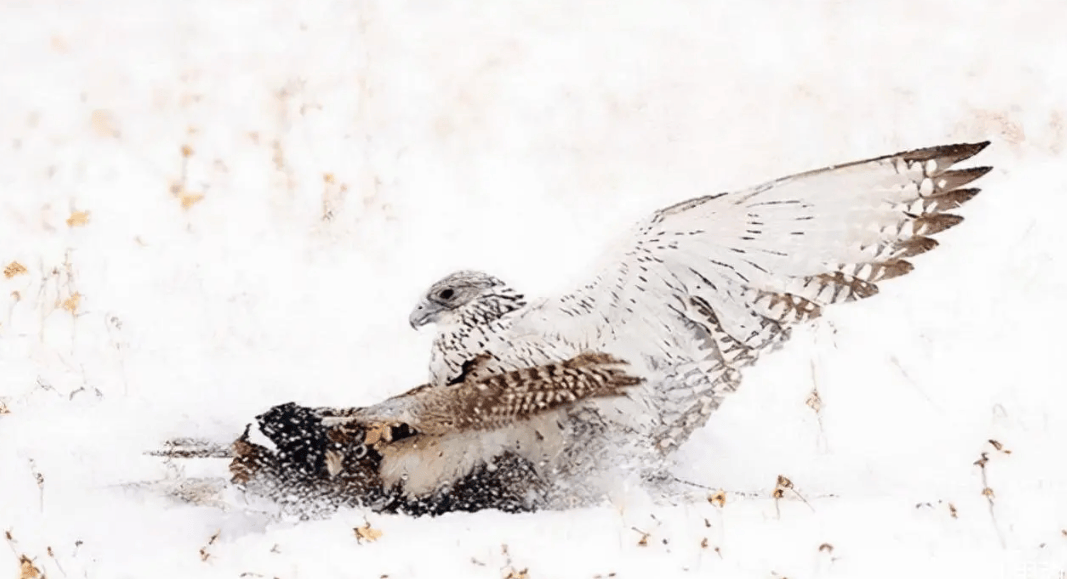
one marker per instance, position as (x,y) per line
(519,138)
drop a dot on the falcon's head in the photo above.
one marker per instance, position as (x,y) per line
(465,295)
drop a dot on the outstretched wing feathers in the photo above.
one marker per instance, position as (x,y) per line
(701,288)
(768,256)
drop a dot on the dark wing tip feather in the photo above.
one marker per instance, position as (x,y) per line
(952,199)
(949,180)
(936,223)
(952,153)
(894,268)
(915,246)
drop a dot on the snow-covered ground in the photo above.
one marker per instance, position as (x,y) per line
(222,205)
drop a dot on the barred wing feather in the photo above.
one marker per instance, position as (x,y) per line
(706,285)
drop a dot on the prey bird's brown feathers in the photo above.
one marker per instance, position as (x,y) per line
(498,400)
(416,448)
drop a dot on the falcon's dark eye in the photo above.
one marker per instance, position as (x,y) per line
(445,294)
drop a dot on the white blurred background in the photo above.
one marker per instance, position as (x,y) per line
(221,205)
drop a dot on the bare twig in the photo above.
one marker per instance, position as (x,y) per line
(52,556)
(40,481)
(204,554)
(814,402)
(783,484)
(988,493)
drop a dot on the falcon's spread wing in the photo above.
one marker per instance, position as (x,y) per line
(774,253)
(709,283)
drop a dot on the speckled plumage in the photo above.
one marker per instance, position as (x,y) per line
(480,401)
(702,288)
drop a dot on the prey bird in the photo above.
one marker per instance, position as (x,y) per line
(424,451)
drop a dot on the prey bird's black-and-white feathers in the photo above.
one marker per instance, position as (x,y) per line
(448,431)
(481,442)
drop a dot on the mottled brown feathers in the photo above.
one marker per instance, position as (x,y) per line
(497,400)
(501,399)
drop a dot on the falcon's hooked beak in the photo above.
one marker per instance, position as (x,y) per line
(424,313)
